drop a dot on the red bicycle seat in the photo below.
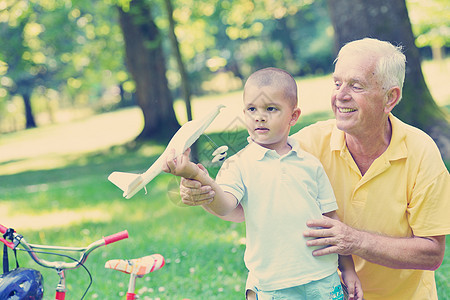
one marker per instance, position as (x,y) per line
(138,266)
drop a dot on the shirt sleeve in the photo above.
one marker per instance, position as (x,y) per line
(230,179)
(429,207)
(429,199)
(326,198)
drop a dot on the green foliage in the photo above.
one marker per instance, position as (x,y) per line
(70,53)
(240,36)
(58,48)
(430,22)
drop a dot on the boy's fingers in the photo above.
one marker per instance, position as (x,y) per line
(359,292)
(352,291)
(203,168)
(170,166)
(171,154)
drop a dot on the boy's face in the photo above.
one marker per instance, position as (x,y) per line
(268,116)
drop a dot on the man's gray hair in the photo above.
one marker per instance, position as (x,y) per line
(391,62)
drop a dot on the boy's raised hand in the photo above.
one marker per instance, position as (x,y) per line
(181,165)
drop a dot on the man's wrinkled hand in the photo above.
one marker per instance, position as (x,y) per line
(333,235)
(193,193)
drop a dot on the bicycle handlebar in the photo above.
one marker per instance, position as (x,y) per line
(8,244)
(85,251)
(3,229)
(116,237)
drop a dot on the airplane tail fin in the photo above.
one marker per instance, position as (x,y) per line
(123,180)
(131,183)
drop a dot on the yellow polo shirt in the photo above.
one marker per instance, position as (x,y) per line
(405,192)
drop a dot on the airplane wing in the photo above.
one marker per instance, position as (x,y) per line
(131,183)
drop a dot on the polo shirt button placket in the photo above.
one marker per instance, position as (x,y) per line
(283,173)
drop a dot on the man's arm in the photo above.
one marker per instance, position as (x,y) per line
(424,253)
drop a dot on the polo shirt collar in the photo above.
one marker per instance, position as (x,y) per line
(259,152)
(397,147)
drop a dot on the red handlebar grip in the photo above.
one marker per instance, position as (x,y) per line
(8,244)
(3,229)
(116,237)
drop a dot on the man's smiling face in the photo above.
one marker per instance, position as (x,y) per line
(358,99)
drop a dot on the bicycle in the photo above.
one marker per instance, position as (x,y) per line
(135,267)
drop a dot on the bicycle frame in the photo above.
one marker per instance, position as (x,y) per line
(59,266)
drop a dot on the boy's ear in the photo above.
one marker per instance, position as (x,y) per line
(295,115)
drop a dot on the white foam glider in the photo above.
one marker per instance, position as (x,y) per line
(131,183)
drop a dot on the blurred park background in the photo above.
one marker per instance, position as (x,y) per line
(91,87)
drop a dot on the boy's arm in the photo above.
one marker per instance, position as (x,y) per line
(347,268)
(222,204)
(193,193)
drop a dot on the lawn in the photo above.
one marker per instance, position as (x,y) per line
(54,190)
(73,204)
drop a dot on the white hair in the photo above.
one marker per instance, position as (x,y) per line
(391,63)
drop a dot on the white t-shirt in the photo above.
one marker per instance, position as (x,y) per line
(279,194)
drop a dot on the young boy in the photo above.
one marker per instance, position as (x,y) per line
(280,187)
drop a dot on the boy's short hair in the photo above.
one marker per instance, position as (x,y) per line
(275,78)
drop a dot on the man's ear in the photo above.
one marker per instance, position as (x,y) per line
(392,99)
(295,115)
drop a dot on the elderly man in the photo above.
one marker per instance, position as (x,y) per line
(391,186)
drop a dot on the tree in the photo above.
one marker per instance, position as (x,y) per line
(146,62)
(23,82)
(388,20)
(430,24)
(57,48)
(185,85)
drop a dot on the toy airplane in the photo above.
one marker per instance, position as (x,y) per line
(131,183)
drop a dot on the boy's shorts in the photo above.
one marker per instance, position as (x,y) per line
(325,288)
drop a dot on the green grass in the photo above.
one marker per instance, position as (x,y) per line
(204,255)
(67,196)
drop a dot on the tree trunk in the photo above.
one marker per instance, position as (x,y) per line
(388,20)
(185,87)
(185,84)
(146,63)
(29,118)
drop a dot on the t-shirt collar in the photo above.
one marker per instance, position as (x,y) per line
(259,152)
